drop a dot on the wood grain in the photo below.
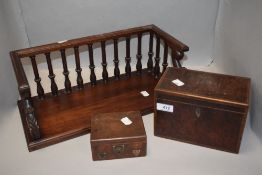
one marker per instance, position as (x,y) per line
(67,116)
(209,109)
(111,139)
(64,114)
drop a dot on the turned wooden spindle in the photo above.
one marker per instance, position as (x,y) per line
(40,90)
(139,54)
(128,58)
(51,75)
(165,64)
(78,69)
(157,58)
(68,88)
(176,57)
(104,63)
(116,60)
(180,57)
(92,65)
(150,53)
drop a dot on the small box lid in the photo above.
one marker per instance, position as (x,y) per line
(106,126)
(220,88)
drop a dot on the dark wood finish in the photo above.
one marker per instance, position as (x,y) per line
(111,139)
(208,86)
(31,127)
(139,54)
(59,116)
(40,90)
(116,60)
(92,65)
(172,42)
(54,88)
(29,120)
(174,56)
(128,58)
(165,64)
(68,88)
(79,79)
(83,41)
(67,116)
(104,63)
(157,59)
(150,53)
(23,85)
(209,110)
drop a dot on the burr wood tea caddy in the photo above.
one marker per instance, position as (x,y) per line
(206,109)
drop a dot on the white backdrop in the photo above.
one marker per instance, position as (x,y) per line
(12,36)
(191,21)
(238,48)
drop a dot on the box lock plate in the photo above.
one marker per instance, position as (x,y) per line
(118,148)
(102,155)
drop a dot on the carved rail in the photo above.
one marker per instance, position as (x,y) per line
(153,64)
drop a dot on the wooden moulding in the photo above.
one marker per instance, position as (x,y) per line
(64,114)
(173,43)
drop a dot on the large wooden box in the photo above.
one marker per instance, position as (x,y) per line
(112,139)
(208,110)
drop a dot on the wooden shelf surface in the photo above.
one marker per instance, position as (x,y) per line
(68,115)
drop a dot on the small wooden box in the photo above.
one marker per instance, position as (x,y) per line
(208,110)
(112,139)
